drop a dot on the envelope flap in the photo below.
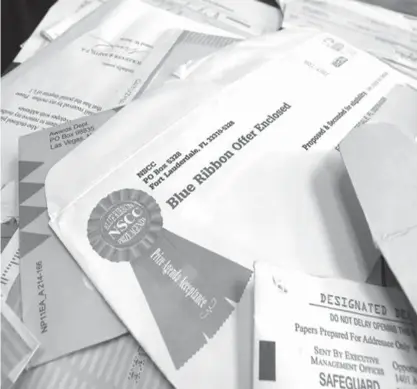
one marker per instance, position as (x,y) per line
(381,159)
(382,163)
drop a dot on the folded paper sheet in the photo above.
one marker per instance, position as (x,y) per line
(158,211)
(54,288)
(381,158)
(313,332)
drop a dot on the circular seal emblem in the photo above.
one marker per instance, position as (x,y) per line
(124,225)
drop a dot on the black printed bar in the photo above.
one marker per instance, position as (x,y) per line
(267,361)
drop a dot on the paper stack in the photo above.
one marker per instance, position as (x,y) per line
(203,201)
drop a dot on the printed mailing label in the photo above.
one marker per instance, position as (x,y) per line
(170,233)
(313,332)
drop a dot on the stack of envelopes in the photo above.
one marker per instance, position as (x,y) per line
(205,203)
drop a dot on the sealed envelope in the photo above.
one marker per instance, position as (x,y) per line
(312,332)
(168,228)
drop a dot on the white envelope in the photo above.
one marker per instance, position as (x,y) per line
(206,79)
(313,332)
(247,173)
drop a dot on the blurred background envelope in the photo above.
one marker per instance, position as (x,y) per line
(381,158)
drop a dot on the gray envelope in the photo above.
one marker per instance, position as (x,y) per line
(381,159)
(60,307)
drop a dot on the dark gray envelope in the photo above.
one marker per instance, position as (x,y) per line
(381,159)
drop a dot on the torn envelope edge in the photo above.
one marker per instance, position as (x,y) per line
(381,160)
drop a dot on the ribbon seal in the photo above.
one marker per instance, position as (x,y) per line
(124,225)
(190,290)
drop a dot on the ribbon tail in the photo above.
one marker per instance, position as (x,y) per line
(188,289)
